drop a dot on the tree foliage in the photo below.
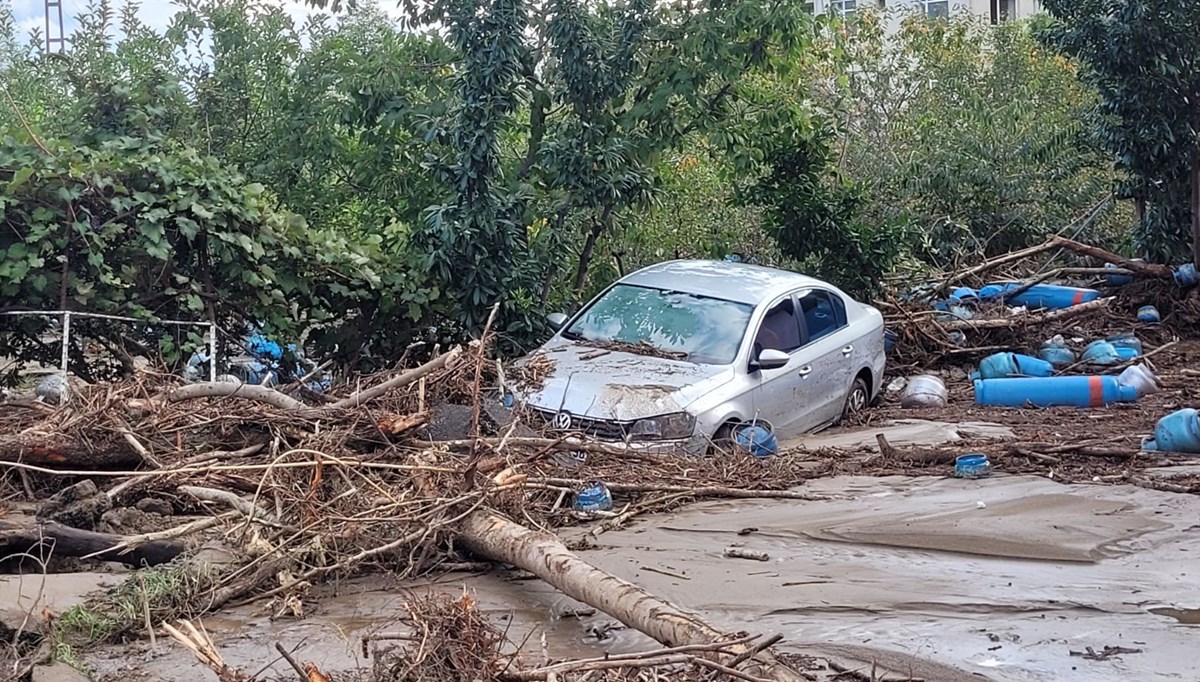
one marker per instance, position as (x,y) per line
(1143,58)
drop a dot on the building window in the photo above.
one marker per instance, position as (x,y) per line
(1003,10)
(937,8)
(843,8)
(809,7)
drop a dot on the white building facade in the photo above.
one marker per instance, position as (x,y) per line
(996,11)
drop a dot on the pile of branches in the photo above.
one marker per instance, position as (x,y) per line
(305,492)
(926,337)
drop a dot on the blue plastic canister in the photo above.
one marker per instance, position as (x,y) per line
(1013,365)
(1050,296)
(1186,275)
(1127,353)
(972,466)
(1063,391)
(756,439)
(1148,314)
(1177,432)
(592,497)
(1101,353)
(889,340)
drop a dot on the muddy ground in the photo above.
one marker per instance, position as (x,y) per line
(1028,575)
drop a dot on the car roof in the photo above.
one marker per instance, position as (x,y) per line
(739,282)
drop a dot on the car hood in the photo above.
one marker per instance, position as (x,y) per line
(600,384)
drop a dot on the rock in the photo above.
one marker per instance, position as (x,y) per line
(153,505)
(57,672)
(126,521)
(52,389)
(79,506)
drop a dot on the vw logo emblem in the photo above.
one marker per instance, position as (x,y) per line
(562,420)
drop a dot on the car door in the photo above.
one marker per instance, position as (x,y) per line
(781,395)
(829,352)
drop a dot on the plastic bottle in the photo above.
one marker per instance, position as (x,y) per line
(594,496)
(1141,378)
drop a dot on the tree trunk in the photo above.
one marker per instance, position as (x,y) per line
(1196,208)
(589,247)
(48,538)
(54,451)
(1139,268)
(545,556)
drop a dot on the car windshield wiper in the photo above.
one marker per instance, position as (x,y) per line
(570,335)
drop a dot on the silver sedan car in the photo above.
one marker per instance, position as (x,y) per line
(672,357)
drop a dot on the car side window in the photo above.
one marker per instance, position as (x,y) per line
(824,313)
(780,329)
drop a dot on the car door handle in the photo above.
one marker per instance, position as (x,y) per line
(805,370)
(847,350)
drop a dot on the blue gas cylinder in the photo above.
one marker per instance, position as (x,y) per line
(1057,353)
(1101,353)
(1049,296)
(1061,391)
(1177,432)
(1013,365)
(1186,275)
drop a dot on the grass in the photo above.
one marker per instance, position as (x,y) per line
(168,592)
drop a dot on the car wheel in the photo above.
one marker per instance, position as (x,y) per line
(857,398)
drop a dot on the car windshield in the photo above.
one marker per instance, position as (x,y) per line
(700,329)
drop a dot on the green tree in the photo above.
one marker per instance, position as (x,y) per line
(974,133)
(1143,57)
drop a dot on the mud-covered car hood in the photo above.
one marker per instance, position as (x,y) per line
(613,385)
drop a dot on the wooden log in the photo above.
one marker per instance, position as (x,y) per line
(48,538)
(1036,318)
(1143,269)
(57,451)
(391,384)
(544,555)
(222,389)
(997,262)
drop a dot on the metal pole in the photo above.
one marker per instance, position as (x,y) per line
(65,394)
(212,351)
(66,342)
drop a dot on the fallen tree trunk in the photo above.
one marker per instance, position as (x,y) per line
(544,555)
(58,451)
(43,539)
(1144,269)
(1036,318)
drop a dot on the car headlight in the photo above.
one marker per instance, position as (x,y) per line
(667,427)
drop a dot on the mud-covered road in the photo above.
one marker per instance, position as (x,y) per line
(939,578)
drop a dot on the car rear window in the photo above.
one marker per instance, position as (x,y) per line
(699,329)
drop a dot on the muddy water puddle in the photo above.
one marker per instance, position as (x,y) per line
(943,579)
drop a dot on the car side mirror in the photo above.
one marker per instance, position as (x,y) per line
(770,359)
(556,320)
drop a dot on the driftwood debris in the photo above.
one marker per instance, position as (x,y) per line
(44,539)
(57,451)
(544,555)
